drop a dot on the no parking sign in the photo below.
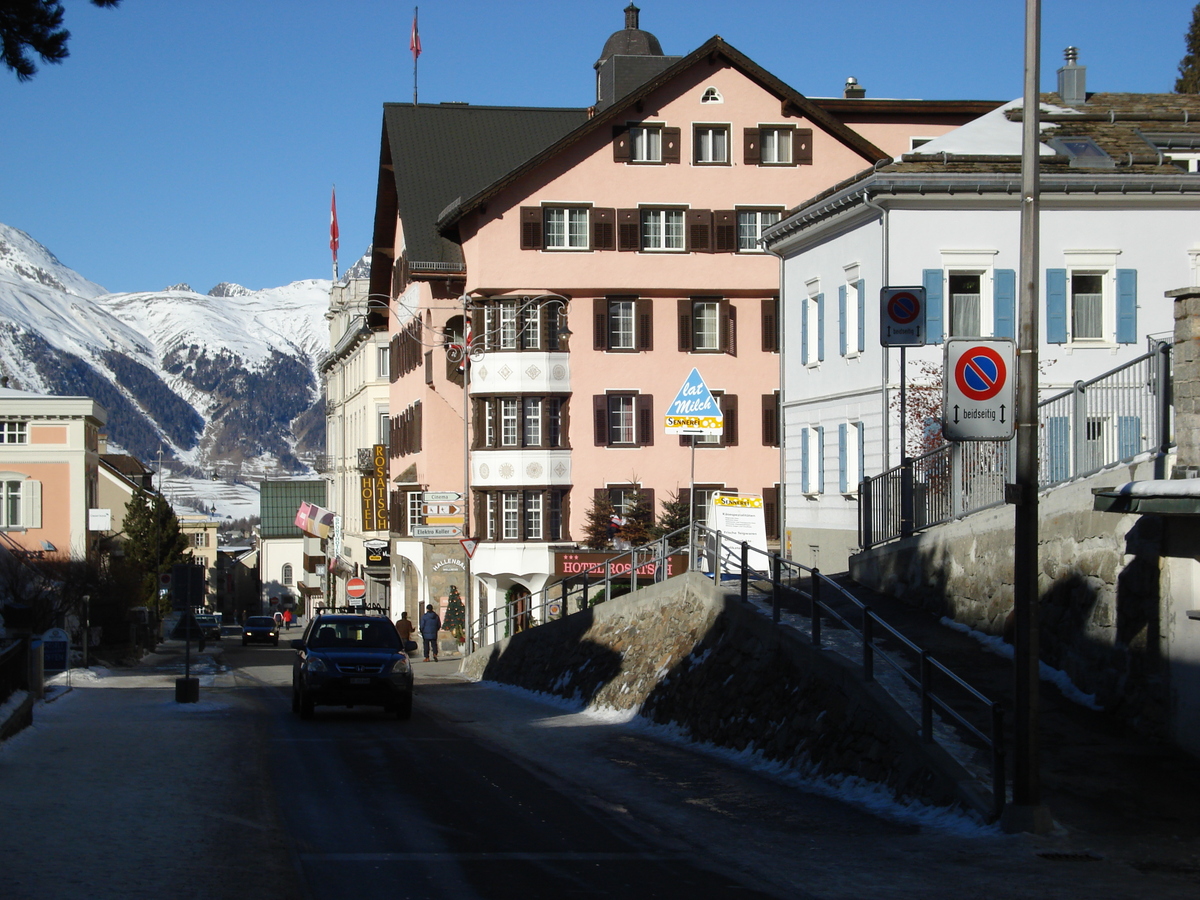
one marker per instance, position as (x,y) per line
(902,317)
(978,399)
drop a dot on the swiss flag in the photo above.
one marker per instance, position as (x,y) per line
(333,226)
(414,42)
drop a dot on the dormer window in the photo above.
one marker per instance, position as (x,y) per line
(712,95)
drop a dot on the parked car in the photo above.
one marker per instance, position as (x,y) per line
(351,660)
(260,629)
(210,627)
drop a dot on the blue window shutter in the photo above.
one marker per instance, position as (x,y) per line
(1004,304)
(842,319)
(1126,306)
(1129,436)
(1056,306)
(820,327)
(862,451)
(820,486)
(1058,445)
(932,279)
(862,316)
(804,330)
(843,476)
(804,460)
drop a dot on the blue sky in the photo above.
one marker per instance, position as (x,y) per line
(197,140)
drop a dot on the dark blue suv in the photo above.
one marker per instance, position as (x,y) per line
(351,660)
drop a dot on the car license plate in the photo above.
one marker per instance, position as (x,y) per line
(360,680)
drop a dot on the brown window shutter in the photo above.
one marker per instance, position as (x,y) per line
(629,229)
(531,228)
(729,409)
(621,148)
(728,314)
(685,495)
(699,230)
(600,324)
(644,313)
(725,231)
(478,326)
(600,417)
(770,325)
(419,426)
(802,149)
(751,155)
(648,499)
(644,407)
(604,229)
(770,420)
(565,533)
(685,325)
(672,138)
(771,512)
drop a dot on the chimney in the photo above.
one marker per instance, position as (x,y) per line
(852,91)
(1072,80)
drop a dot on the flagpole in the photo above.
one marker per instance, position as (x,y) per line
(414,45)
(334,235)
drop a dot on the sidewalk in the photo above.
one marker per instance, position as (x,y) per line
(1111,789)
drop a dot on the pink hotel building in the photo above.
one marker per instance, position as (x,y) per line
(635,224)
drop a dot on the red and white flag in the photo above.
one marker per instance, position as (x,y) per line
(333,226)
(414,42)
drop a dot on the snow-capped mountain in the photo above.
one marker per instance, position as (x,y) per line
(225,382)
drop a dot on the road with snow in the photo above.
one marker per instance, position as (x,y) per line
(117,791)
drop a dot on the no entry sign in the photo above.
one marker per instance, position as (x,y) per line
(902,317)
(978,400)
(356,588)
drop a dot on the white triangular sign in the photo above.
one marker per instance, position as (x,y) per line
(469,544)
(694,410)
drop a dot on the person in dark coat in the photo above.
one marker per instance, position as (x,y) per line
(430,626)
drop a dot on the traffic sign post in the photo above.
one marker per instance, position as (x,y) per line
(694,410)
(902,317)
(356,589)
(979,390)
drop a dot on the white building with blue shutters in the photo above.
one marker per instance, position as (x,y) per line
(1120,226)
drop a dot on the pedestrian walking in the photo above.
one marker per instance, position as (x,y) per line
(405,628)
(287,620)
(430,626)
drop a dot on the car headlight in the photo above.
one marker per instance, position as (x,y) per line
(315,664)
(400,666)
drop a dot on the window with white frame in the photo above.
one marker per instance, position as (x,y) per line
(662,229)
(750,225)
(20,501)
(530,316)
(712,95)
(532,421)
(285,574)
(775,146)
(711,144)
(13,433)
(620,324)
(645,143)
(490,516)
(566,227)
(509,434)
(965,304)
(510,508)
(383,357)
(852,314)
(621,418)
(416,510)
(706,325)
(812,324)
(1087,306)
(533,515)
(702,501)
(384,425)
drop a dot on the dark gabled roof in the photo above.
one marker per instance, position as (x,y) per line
(713,49)
(129,466)
(441,153)
(886,106)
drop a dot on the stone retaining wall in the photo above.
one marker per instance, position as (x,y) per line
(724,673)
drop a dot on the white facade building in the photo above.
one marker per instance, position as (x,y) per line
(1119,226)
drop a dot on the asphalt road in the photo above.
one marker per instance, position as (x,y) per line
(119,792)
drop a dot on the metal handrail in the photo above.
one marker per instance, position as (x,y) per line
(726,552)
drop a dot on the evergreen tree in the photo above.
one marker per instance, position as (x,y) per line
(597,529)
(639,522)
(1189,67)
(154,543)
(34,25)
(675,514)
(456,616)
